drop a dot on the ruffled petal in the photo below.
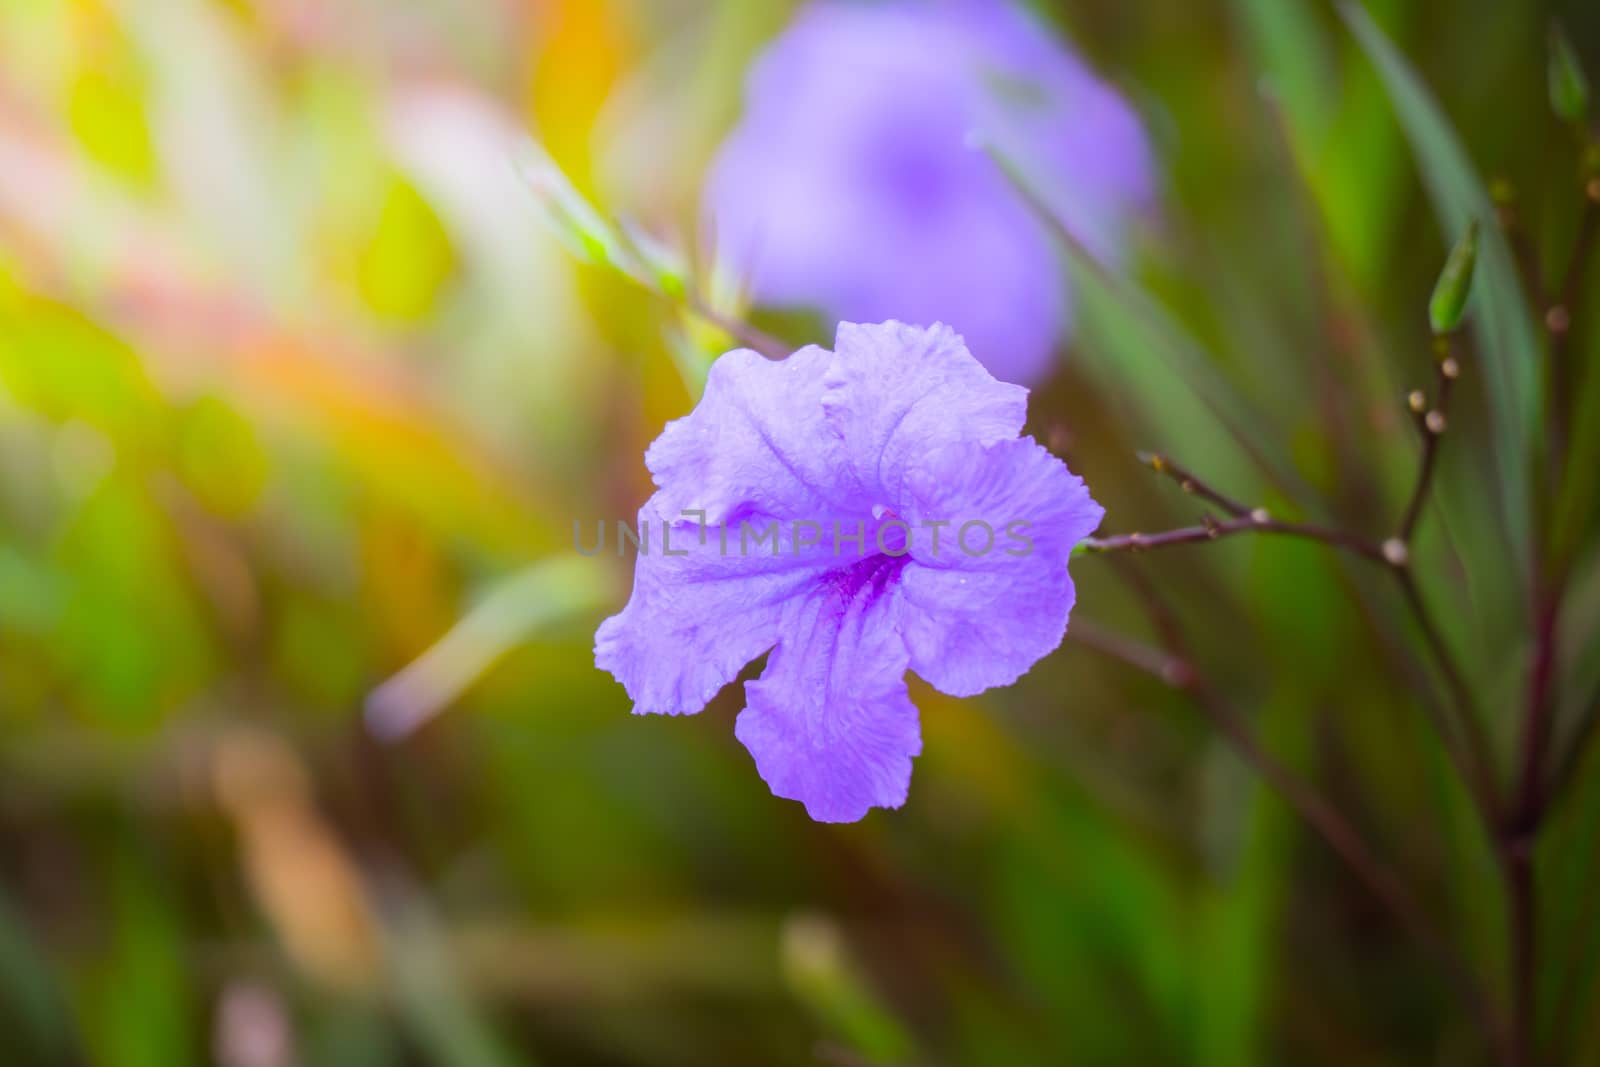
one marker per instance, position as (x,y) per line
(695,620)
(830,723)
(893,392)
(756,443)
(995,595)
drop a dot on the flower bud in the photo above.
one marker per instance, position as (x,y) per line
(1455,283)
(1569,89)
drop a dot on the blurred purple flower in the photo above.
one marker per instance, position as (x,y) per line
(851,183)
(897,431)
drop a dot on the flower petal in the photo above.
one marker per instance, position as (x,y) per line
(995,596)
(756,443)
(851,176)
(893,392)
(695,620)
(830,723)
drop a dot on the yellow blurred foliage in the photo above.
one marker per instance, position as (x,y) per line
(582,53)
(304,881)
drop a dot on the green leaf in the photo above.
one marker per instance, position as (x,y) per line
(435,1003)
(143,1014)
(1291,51)
(551,592)
(1238,924)
(824,976)
(31,1003)
(1178,382)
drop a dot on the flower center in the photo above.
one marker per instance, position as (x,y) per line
(867,578)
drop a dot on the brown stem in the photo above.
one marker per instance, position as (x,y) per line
(1520,834)
(1588,230)
(1256,522)
(1517,860)
(641,273)
(1189,483)
(1536,727)
(746,334)
(1531,799)
(1504,195)
(1579,938)
(1559,322)
(1465,742)
(1163,619)
(1475,761)
(1572,760)
(1175,668)
(1432,425)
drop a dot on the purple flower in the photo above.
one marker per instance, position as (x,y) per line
(907,526)
(851,184)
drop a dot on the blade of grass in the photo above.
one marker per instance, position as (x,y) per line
(1146,347)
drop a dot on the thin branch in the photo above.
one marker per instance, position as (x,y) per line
(1474,760)
(1588,231)
(1580,934)
(1558,321)
(1539,721)
(1527,259)
(1465,742)
(1257,521)
(1517,862)
(1577,748)
(1173,670)
(1174,667)
(642,273)
(746,334)
(1519,834)
(1471,753)
(1191,484)
(1432,425)
(1163,619)
(1531,797)
(1317,811)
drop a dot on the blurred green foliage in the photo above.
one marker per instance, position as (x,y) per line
(305,757)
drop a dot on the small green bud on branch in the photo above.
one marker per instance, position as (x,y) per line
(1569,88)
(1455,283)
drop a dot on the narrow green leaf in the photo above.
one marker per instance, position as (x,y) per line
(143,1009)
(1180,385)
(1455,283)
(1239,922)
(1291,50)
(824,977)
(1569,87)
(436,1005)
(31,1002)
(546,594)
